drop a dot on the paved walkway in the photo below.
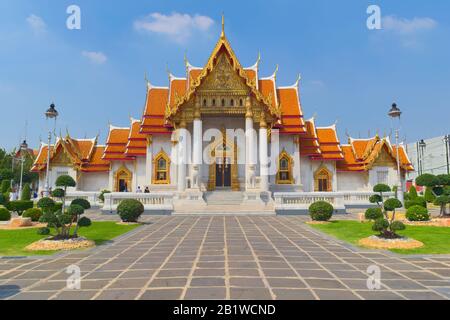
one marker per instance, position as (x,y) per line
(226,258)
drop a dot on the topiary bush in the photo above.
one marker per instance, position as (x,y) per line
(101,197)
(34,213)
(429,195)
(46,204)
(373,214)
(20,206)
(417,213)
(412,193)
(82,202)
(3,200)
(5,215)
(380,225)
(6,184)
(397,226)
(43,231)
(130,210)
(26,193)
(321,211)
(382,188)
(442,202)
(58,193)
(418,201)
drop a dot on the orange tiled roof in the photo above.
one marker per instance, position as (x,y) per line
(153,120)
(309,142)
(116,144)
(40,163)
(97,163)
(137,142)
(329,144)
(268,89)
(178,88)
(349,163)
(291,111)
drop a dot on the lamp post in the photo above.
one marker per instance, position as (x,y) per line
(447,151)
(395,113)
(23,149)
(422,147)
(51,113)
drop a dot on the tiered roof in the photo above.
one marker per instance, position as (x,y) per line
(84,154)
(361,154)
(116,144)
(137,141)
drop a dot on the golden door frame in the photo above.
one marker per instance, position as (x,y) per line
(214,153)
(323,172)
(123,174)
(156,170)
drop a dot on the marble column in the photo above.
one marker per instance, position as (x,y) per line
(197,141)
(149,162)
(250,147)
(182,156)
(263,155)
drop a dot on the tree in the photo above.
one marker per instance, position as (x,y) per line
(6,184)
(437,186)
(442,201)
(387,226)
(26,193)
(65,182)
(413,193)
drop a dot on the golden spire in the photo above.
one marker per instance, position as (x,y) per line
(222,35)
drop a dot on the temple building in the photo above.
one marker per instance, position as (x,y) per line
(224,132)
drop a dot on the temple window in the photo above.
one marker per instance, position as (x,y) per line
(162,169)
(241,103)
(223,102)
(323,180)
(232,102)
(204,102)
(284,174)
(214,102)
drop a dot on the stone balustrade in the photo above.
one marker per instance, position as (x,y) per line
(158,202)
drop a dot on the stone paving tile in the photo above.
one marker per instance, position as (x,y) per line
(219,257)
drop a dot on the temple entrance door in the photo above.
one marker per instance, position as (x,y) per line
(223,172)
(123,185)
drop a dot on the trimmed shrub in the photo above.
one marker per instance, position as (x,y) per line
(20,206)
(376,198)
(84,222)
(381,188)
(26,193)
(413,193)
(58,206)
(75,210)
(58,193)
(429,195)
(419,201)
(130,210)
(34,213)
(374,214)
(397,226)
(392,204)
(427,180)
(46,204)
(321,211)
(65,181)
(4,200)
(43,231)
(6,184)
(82,202)
(101,197)
(5,215)
(417,213)
(380,225)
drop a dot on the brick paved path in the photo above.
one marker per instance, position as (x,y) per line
(226,258)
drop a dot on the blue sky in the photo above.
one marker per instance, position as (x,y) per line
(349,74)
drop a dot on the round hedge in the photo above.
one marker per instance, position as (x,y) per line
(321,211)
(376,198)
(58,193)
(374,214)
(34,213)
(427,180)
(75,210)
(65,181)
(5,215)
(46,204)
(392,204)
(130,210)
(20,206)
(82,202)
(417,213)
(380,225)
(419,201)
(442,200)
(380,188)
(397,226)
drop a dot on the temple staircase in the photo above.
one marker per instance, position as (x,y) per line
(225,202)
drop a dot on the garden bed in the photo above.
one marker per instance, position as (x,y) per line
(61,245)
(375,242)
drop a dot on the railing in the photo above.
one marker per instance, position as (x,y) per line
(92,197)
(340,200)
(151,201)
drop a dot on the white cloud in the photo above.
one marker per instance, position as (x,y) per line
(405,26)
(36,23)
(95,57)
(178,27)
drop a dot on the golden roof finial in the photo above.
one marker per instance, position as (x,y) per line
(276,72)
(222,35)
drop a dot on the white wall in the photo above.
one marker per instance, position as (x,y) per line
(93,181)
(353,181)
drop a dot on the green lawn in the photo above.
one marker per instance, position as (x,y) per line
(436,239)
(13,242)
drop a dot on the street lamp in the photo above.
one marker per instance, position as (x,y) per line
(51,113)
(23,150)
(422,147)
(395,113)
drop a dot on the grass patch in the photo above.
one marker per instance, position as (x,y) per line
(435,239)
(13,242)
